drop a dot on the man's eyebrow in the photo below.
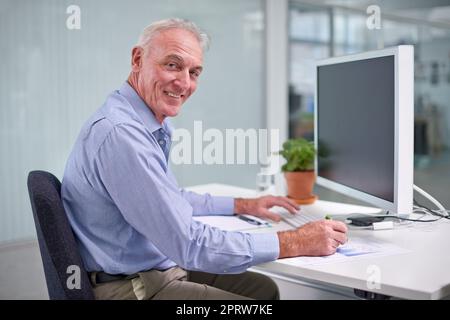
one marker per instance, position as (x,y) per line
(175,57)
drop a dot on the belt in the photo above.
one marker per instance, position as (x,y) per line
(103,277)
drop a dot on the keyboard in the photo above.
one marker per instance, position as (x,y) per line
(299,219)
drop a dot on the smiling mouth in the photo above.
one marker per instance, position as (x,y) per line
(173,95)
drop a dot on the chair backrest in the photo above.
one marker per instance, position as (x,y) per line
(63,266)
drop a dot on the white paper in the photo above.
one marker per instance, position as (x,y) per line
(355,248)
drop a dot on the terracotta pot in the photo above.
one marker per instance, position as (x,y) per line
(300,186)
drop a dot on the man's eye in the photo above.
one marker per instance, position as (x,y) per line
(172,65)
(195,74)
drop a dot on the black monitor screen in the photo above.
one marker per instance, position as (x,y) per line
(355,125)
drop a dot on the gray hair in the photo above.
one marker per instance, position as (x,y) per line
(174,23)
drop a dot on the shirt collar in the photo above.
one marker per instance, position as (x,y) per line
(143,110)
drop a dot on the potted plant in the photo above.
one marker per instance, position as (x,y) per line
(299,169)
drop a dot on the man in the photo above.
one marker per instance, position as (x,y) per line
(134,225)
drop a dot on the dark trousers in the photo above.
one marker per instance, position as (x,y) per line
(176,283)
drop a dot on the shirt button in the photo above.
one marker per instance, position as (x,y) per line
(161,142)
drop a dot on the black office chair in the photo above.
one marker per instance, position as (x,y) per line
(57,244)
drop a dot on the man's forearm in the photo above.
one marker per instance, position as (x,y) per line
(319,238)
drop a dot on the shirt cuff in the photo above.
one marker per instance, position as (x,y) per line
(266,247)
(223,205)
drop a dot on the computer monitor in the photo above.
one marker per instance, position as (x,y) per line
(364,134)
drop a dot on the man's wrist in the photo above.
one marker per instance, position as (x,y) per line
(240,205)
(288,244)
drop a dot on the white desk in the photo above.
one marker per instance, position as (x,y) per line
(423,273)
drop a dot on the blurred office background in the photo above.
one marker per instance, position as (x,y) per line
(258,74)
(321,29)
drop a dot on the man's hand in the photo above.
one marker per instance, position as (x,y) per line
(319,238)
(258,207)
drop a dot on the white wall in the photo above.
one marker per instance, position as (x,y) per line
(53,78)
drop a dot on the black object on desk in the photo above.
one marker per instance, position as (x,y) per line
(364,221)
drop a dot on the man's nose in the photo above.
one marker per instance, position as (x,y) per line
(183,79)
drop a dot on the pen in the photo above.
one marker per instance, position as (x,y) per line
(253,221)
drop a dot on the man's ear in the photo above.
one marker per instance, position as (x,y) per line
(137,55)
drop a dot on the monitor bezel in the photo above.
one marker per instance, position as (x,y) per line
(404,129)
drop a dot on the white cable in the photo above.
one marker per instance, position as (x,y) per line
(433,200)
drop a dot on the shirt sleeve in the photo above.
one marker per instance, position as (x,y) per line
(205,204)
(133,174)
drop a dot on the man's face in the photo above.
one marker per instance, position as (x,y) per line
(167,71)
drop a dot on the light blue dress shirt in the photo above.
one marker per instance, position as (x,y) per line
(127,210)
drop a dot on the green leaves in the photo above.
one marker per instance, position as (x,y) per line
(299,154)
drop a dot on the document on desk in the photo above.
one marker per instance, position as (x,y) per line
(229,223)
(355,248)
